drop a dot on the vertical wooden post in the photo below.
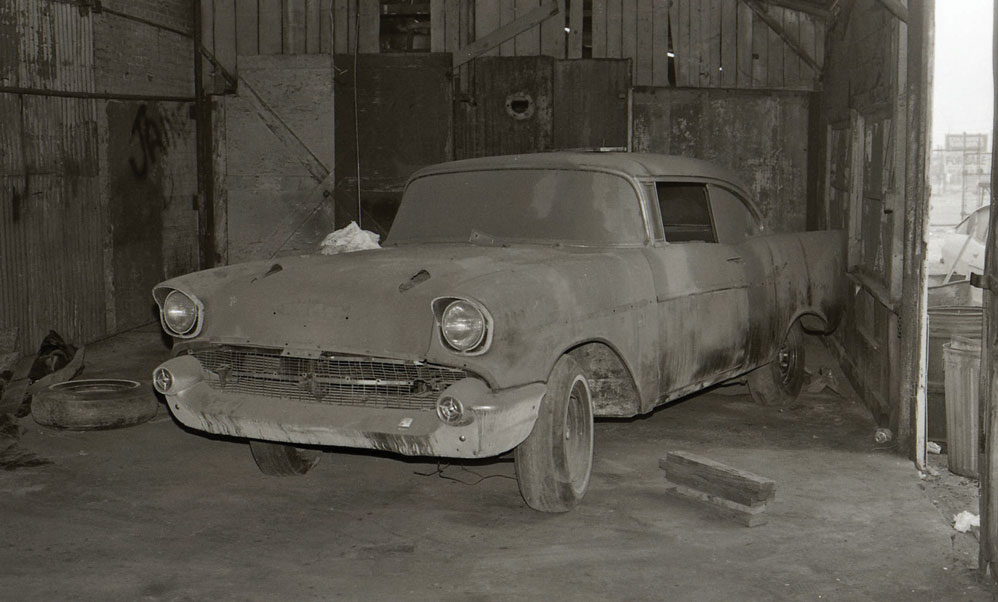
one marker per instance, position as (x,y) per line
(205,164)
(989,369)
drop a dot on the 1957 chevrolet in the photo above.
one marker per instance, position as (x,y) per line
(516,297)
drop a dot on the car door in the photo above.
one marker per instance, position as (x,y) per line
(701,290)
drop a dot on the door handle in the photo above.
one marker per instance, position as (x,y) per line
(735,259)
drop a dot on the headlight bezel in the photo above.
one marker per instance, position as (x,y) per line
(440,307)
(163,296)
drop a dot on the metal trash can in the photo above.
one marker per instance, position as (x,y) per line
(963,412)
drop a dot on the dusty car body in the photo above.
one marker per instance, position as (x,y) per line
(515,298)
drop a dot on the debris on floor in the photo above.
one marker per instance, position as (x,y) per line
(11,456)
(824,379)
(883,435)
(964,521)
(729,492)
(933,448)
(56,361)
(348,239)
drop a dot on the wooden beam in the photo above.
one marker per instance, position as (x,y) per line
(897,9)
(812,8)
(988,554)
(506,32)
(716,479)
(760,10)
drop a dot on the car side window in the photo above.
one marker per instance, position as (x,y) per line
(685,212)
(734,221)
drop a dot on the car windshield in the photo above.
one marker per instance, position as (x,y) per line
(519,205)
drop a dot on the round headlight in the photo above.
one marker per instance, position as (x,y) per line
(462,325)
(180,313)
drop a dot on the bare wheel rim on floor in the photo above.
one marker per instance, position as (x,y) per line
(787,359)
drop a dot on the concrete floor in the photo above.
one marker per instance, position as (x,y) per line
(155,512)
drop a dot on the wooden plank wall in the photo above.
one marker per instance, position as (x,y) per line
(716,43)
(864,100)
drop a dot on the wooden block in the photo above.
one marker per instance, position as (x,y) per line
(706,475)
(750,516)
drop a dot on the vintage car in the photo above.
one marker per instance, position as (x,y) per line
(515,298)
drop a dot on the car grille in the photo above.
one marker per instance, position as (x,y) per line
(348,381)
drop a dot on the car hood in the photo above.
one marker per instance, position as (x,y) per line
(374,302)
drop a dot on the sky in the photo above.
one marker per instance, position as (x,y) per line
(962,88)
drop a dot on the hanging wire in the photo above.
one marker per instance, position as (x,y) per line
(356,109)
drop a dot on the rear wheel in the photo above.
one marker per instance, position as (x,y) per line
(282,459)
(554,463)
(779,382)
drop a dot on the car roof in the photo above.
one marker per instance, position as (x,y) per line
(639,165)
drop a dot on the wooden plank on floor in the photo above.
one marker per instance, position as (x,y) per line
(717,479)
(247,27)
(747,516)
(614,23)
(645,47)
(528,43)
(599,28)
(745,58)
(660,44)
(729,44)
(312,24)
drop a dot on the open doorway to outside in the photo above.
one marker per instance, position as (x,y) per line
(959,205)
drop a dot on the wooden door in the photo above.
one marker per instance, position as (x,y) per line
(279,160)
(590,103)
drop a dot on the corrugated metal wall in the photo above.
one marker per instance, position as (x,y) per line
(56,239)
(52,222)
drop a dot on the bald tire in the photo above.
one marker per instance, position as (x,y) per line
(779,382)
(282,459)
(554,463)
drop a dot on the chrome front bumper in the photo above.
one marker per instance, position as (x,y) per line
(495,422)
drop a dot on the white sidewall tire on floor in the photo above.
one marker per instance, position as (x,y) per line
(94,404)
(554,463)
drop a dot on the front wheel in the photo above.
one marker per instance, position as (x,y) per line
(779,382)
(283,460)
(554,463)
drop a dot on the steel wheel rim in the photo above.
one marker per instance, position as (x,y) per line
(787,362)
(578,435)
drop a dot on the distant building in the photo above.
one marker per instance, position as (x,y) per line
(961,172)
